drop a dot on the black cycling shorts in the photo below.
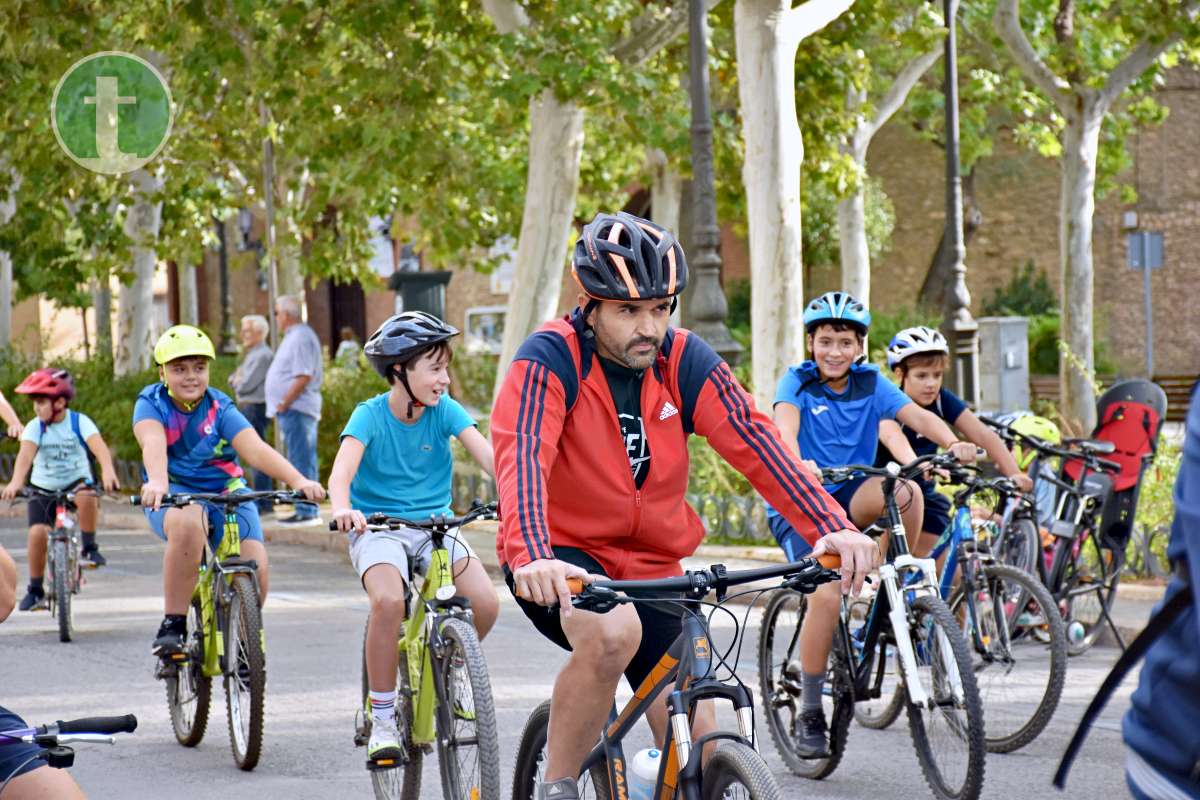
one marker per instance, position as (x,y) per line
(660,626)
(40,510)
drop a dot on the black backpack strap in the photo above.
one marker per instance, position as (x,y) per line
(1128,660)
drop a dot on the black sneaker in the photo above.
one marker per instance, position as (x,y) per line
(92,558)
(811,735)
(33,600)
(170,641)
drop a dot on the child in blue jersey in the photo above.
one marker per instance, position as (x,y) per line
(828,411)
(58,444)
(191,437)
(918,357)
(395,458)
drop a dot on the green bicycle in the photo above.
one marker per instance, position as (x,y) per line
(225,637)
(443,692)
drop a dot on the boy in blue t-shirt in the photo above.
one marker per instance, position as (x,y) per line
(395,458)
(828,411)
(191,436)
(58,444)
(919,357)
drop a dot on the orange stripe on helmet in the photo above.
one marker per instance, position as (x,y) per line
(671,267)
(614,236)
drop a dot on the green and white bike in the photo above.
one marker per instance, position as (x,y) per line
(443,696)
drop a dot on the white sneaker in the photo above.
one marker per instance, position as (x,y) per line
(385,740)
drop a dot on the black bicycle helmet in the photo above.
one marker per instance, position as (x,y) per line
(623,257)
(400,338)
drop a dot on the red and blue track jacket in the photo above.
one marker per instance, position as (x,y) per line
(563,470)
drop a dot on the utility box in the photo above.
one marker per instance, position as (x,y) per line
(420,291)
(1003,364)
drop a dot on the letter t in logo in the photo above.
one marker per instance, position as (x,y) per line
(106,101)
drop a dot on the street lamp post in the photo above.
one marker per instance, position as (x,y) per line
(961,329)
(708,306)
(228,335)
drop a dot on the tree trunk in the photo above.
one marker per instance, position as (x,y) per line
(1081,142)
(555,147)
(189,297)
(135,318)
(8,209)
(852,241)
(102,307)
(771,176)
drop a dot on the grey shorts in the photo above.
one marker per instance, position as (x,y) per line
(398,547)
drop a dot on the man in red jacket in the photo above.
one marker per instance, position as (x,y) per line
(590,434)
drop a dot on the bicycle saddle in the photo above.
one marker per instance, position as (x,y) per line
(1097,447)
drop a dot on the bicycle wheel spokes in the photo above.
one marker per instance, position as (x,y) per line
(468,748)
(245,680)
(189,690)
(948,730)
(530,770)
(1023,664)
(1089,589)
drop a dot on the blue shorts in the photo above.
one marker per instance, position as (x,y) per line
(795,546)
(249,526)
(15,754)
(937,510)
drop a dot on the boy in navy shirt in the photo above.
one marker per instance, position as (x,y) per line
(918,357)
(828,411)
(395,458)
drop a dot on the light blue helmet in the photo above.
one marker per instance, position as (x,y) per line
(911,341)
(837,307)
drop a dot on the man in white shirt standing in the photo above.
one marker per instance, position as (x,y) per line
(293,394)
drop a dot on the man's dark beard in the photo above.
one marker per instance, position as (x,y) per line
(629,359)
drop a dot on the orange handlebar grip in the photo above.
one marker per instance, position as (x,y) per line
(574,585)
(830,561)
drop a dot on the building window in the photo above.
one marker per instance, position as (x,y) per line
(484,329)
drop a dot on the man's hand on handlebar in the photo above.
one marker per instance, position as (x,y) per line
(1021,481)
(545,582)
(858,552)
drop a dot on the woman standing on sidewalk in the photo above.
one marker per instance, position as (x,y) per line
(249,385)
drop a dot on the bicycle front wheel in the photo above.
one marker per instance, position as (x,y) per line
(468,745)
(60,561)
(947,731)
(1021,545)
(780,681)
(189,690)
(246,673)
(530,769)
(1020,649)
(736,771)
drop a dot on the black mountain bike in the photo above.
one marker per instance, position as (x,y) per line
(735,769)
(1080,569)
(906,621)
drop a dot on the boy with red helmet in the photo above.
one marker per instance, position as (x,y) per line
(58,444)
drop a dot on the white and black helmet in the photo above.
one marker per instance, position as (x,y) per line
(911,341)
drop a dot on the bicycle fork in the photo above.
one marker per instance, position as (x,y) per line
(901,625)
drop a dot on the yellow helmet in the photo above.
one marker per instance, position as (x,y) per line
(181,341)
(1037,428)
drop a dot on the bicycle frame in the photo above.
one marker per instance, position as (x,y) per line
(687,663)
(421,633)
(213,593)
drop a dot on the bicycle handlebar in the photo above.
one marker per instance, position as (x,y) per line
(909,471)
(804,575)
(101,725)
(183,499)
(1089,458)
(382,522)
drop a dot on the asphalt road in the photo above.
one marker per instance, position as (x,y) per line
(314,621)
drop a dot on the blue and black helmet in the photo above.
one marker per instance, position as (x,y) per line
(837,307)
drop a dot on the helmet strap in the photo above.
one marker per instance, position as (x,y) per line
(188,407)
(401,373)
(591,306)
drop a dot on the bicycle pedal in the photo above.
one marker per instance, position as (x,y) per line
(384,763)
